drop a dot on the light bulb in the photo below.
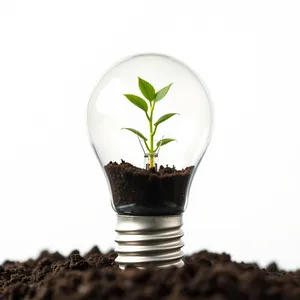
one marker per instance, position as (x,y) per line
(150,121)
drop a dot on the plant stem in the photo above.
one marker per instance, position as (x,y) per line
(151,152)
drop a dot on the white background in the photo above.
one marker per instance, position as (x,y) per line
(245,198)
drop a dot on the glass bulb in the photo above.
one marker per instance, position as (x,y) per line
(150,121)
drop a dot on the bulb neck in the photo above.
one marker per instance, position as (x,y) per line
(149,240)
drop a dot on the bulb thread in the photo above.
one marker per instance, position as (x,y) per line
(149,240)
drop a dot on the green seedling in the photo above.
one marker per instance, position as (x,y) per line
(152,97)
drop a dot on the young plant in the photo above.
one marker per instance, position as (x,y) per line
(152,97)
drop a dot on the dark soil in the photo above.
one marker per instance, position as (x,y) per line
(205,276)
(143,192)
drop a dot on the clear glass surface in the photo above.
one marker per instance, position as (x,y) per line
(109,111)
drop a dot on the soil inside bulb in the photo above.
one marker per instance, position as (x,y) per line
(144,192)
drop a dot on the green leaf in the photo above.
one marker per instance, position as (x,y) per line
(162,93)
(138,101)
(147,89)
(164,142)
(164,118)
(137,133)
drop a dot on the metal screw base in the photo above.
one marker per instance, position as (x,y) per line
(144,240)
